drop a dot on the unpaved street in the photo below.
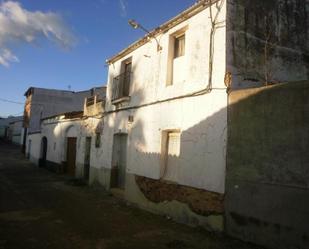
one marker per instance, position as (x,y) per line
(39,209)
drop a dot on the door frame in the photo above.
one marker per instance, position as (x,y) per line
(43,154)
(115,170)
(67,155)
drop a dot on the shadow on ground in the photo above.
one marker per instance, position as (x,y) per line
(39,209)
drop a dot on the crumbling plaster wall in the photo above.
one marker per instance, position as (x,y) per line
(267,41)
(195,207)
(199,201)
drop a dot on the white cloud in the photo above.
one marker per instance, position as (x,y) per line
(123,8)
(20,25)
(6,56)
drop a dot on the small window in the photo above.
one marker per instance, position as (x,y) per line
(176,64)
(98,140)
(173,143)
(179,46)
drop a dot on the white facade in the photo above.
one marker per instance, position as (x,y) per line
(165,117)
(49,148)
(200,120)
(47,102)
(10,126)
(16,131)
(58,129)
(33,147)
(42,103)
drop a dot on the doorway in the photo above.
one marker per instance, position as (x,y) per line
(119,160)
(87,158)
(23,148)
(71,155)
(126,80)
(42,161)
(29,149)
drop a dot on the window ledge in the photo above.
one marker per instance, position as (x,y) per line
(122,99)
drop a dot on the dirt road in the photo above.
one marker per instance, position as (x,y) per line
(39,209)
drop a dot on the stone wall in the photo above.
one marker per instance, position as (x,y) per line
(267,41)
(200,201)
(187,205)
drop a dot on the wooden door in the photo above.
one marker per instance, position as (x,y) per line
(71,155)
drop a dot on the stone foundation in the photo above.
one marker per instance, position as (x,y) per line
(200,201)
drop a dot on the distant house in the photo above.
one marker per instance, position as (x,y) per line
(11,128)
(41,103)
(16,131)
(71,142)
(4,125)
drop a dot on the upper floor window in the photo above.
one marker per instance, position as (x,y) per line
(121,83)
(179,45)
(176,65)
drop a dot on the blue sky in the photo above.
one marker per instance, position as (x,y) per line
(98,29)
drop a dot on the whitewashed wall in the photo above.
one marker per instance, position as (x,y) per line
(201,120)
(57,131)
(48,102)
(17,132)
(34,150)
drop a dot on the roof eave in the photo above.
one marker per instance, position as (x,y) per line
(183,16)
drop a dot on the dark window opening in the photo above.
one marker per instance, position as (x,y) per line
(121,83)
(98,140)
(179,46)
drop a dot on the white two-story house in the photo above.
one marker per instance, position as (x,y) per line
(164,137)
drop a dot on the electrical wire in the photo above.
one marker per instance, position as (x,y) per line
(11,101)
(209,87)
(16,114)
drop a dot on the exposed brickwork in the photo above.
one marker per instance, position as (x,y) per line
(200,201)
